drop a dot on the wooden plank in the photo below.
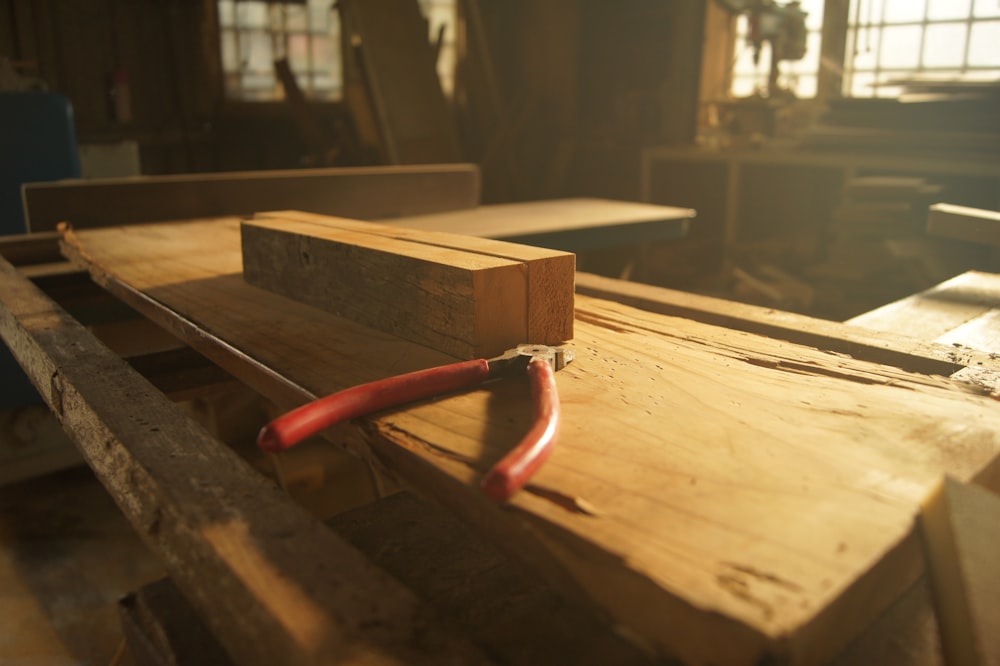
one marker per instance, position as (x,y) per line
(550,273)
(960,526)
(963,223)
(564,224)
(935,312)
(464,304)
(273,583)
(757,494)
(361,192)
(878,346)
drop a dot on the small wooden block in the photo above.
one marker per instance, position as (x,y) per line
(961,536)
(464,304)
(551,273)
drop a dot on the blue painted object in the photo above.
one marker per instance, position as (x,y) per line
(37,143)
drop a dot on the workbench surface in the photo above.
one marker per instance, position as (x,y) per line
(721,495)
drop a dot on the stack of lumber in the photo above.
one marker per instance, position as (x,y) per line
(877,249)
(944,117)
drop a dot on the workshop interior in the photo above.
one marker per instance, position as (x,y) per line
(499,332)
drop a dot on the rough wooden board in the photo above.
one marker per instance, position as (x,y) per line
(362,192)
(550,273)
(879,346)
(273,583)
(960,526)
(969,224)
(933,313)
(982,333)
(461,303)
(724,496)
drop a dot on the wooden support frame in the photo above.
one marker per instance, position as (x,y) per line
(273,583)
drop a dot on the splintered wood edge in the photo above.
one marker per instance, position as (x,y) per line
(960,532)
(488,320)
(551,273)
(248,559)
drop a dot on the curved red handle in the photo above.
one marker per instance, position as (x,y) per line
(517,467)
(291,428)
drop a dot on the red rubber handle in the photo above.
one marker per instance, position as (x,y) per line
(517,467)
(291,428)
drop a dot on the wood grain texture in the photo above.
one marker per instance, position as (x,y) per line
(362,192)
(461,303)
(550,273)
(723,496)
(273,583)
(890,347)
(960,526)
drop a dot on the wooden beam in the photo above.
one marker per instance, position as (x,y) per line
(273,583)
(361,192)
(879,346)
(963,223)
(550,273)
(960,526)
(464,304)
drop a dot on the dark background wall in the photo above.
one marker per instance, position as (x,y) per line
(580,86)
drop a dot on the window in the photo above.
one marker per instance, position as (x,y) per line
(955,40)
(886,40)
(253,34)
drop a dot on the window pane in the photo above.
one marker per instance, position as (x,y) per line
(870,11)
(256,51)
(904,11)
(298,51)
(866,44)
(295,17)
(938,10)
(258,81)
(226,10)
(814,14)
(230,56)
(323,55)
(251,14)
(744,86)
(900,47)
(861,84)
(319,16)
(984,44)
(987,9)
(944,45)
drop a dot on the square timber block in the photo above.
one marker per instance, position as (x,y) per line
(467,297)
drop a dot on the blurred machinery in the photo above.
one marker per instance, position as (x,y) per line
(782,26)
